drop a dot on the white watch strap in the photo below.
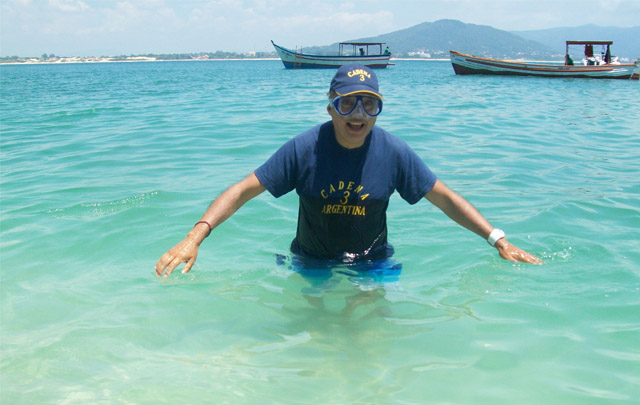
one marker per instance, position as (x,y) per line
(494,236)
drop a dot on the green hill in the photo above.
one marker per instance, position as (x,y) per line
(436,39)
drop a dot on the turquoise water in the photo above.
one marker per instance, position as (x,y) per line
(106,166)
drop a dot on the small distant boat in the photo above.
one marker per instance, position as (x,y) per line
(593,66)
(365,53)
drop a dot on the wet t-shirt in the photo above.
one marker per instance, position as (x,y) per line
(344,193)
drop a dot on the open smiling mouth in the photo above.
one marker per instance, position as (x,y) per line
(356,126)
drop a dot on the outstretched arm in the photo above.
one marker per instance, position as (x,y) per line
(221,209)
(461,211)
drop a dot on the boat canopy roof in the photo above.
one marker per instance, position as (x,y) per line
(589,42)
(362,43)
(362,47)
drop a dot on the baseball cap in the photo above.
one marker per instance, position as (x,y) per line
(350,79)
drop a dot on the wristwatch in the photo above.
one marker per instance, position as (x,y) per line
(494,236)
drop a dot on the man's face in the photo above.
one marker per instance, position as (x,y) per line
(351,130)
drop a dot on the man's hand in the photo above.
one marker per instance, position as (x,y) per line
(513,253)
(184,252)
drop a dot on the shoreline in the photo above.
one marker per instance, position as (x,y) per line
(86,60)
(83,60)
(145,59)
(135,59)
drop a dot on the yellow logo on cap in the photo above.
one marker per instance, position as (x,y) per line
(360,72)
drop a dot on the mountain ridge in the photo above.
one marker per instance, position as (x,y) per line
(626,40)
(436,39)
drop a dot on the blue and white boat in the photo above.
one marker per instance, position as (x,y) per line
(369,54)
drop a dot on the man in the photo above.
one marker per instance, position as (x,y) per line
(344,172)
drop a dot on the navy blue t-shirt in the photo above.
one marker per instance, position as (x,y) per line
(344,193)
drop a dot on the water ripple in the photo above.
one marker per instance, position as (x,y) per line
(99,209)
(105,166)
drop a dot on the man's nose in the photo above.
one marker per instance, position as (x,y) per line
(359,110)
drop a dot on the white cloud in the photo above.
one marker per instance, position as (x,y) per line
(20,2)
(68,5)
(85,27)
(250,25)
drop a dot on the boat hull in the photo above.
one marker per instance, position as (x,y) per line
(464,64)
(297,60)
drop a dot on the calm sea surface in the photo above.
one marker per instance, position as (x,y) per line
(106,166)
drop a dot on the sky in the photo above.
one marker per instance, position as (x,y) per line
(137,27)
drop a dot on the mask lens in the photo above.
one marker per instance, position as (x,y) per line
(345,105)
(372,105)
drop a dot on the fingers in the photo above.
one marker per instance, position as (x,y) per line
(506,255)
(529,258)
(172,266)
(521,255)
(162,264)
(187,266)
(184,252)
(514,254)
(167,264)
